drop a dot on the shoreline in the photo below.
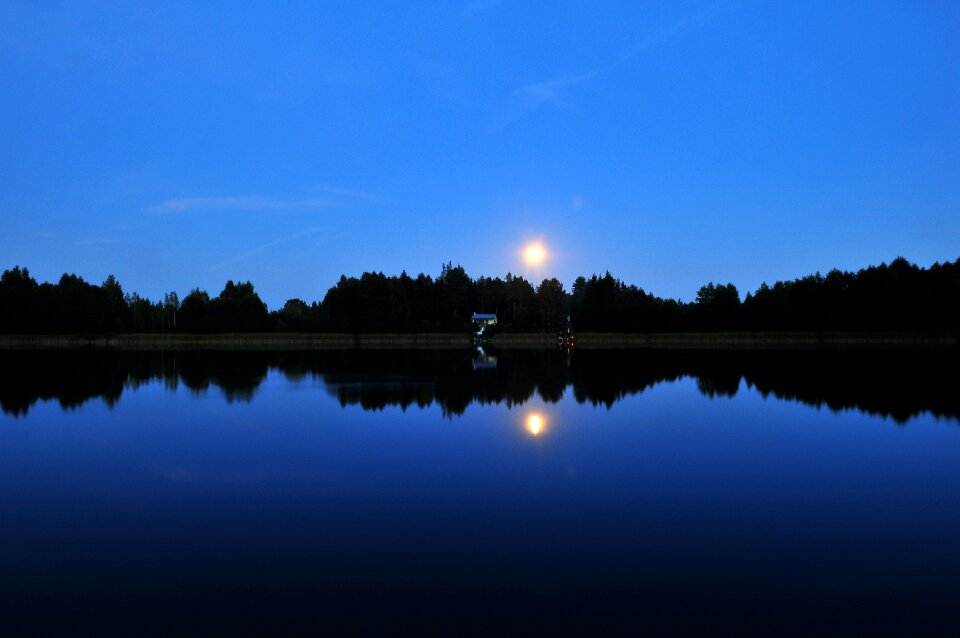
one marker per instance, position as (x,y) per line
(322,341)
(746,340)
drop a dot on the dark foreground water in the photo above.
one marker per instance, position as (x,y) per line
(512,492)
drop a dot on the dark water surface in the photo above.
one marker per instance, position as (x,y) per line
(524,491)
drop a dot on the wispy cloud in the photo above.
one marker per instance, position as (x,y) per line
(352,194)
(531,97)
(241,203)
(258,203)
(265,247)
(549,92)
(676,29)
(98,242)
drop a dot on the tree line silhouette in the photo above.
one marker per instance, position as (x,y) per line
(896,384)
(895,296)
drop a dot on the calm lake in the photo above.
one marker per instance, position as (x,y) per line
(517,491)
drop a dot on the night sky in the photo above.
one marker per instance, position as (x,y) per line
(673,143)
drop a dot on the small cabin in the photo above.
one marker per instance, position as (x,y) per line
(483,320)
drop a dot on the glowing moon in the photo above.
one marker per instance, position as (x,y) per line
(534,254)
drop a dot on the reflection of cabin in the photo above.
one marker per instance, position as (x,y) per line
(483,361)
(483,321)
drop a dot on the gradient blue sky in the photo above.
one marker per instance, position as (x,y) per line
(671,143)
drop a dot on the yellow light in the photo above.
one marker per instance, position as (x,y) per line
(535,424)
(534,254)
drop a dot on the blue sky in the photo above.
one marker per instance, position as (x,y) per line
(181,145)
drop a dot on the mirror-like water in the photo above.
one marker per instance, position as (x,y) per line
(599,490)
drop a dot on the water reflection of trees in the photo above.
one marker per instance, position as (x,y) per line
(895,384)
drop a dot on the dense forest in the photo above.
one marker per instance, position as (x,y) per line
(889,297)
